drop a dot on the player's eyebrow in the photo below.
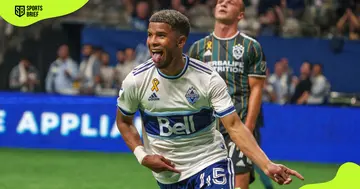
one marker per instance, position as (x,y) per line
(161,33)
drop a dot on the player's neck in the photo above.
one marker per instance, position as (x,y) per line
(175,67)
(225,31)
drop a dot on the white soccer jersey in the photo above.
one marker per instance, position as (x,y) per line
(178,115)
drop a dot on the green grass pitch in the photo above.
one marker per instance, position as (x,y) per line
(47,169)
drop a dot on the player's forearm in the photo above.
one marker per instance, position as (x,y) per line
(242,137)
(254,107)
(130,136)
(128,132)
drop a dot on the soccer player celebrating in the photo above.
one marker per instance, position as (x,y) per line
(239,60)
(177,97)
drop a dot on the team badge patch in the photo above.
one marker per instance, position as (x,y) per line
(238,51)
(192,95)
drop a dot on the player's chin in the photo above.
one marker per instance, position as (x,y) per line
(220,15)
(223,18)
(159,65)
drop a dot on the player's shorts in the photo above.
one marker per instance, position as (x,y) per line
(219,175)
(242,164)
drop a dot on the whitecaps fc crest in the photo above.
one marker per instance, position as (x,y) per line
(238,51)
(192,95)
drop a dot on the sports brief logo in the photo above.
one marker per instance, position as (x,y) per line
(19,10)
(192,95)
(28,10)
(238,51)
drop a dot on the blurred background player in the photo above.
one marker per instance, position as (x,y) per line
(24,77)
(89,70)
(240,62)
(158,87)
(62,73)
(302,85)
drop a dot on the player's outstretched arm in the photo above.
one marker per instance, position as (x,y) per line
(242,137)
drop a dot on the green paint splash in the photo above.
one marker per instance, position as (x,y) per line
(348,176)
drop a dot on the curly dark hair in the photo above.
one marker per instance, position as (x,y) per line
(175,19)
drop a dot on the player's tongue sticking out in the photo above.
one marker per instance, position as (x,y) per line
(156,57)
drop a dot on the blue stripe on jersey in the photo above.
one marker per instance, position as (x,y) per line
(177,125)
(203,67)
(144,69)
(207,128)
(181,73)
(143,65)
(178,113)
(124,112)
(225,112)
(194,66)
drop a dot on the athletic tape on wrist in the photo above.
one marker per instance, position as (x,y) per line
(140,153)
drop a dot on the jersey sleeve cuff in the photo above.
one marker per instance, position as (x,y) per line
(257,75)
(126,113)
(225,112)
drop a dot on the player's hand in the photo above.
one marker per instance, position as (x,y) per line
(281,174)
(158,164)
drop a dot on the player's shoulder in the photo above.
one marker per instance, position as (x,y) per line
(254,42)
(143,68)
(200,66)
(202,40)
(137,75)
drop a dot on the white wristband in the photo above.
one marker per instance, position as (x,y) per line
(140,153)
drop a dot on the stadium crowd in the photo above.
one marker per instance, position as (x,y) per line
(96,76)
(287,18)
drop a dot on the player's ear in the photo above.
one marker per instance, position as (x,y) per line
(241,15)
(181,41)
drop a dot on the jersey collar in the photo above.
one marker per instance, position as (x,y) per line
(180,74)
(227,38)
